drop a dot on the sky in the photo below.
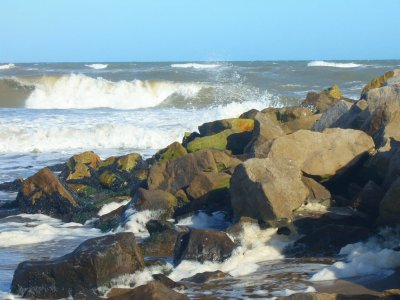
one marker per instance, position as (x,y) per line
(191,30)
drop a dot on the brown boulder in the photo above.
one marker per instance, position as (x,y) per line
(156,200)
(204,277)
(322,154)
(174,175)
(43,193)
(320,102)
(203,245)
(317,192)
(368,199)
(78,274)
(267,189)
(236,125)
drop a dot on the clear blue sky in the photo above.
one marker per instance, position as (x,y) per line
(178,30)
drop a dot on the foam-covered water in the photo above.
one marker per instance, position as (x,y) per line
(321,63)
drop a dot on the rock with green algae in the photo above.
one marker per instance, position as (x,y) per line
(235,124)
(170,152)
(334,92)
(79,168)
(320,102)
(378,82)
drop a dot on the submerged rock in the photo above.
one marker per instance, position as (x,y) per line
(203,245)
(153,290)
(204,277)
(78,274)
(43,193)
(267,189)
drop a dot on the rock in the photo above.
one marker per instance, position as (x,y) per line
(153,290)
(80,166)
(237,229)
(43,193)
(267,189)
(317,192)
(326,296)
(368,199)
(161,244)
(156,200)
(158,226)
(171,152)
(11,186)
(384,123)
(122,173)
(208,191)
(379,82)
(303,123)
(329,239)
(174,175)
(265,131)
(389,209)
(111,220)
(320,102)
(249,114)
(203,245)
(93,264)
(322,154)
(236,125)
(166,281)
(331,117)
(204,277)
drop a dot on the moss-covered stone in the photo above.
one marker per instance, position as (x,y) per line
(88,158)
(236,125)
(128,162)
(334,92)
(107,162)
(107,179)
(78,171)
(171,152)
(217,141)
(377,82)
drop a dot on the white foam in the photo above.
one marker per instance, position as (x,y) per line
(195,66)
(256,246)
(7,66)
(107,208)
(136,222)
(202,220)
(97,66)
(83,92)
(321,63)
(364,258)
(40,228)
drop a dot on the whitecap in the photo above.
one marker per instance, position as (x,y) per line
(321,63)
(97,66)
(7,66)
(195,66)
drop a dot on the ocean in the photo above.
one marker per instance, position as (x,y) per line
(50,111)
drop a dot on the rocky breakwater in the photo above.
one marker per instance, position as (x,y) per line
(269,167)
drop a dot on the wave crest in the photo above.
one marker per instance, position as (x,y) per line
(7,66)
(97,66)
(195,66)
(321,63)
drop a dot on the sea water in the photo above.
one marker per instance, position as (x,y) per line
(48,112)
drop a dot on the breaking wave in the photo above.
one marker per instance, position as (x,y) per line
(97,66)
(7,66)
(195,66)
(321,63)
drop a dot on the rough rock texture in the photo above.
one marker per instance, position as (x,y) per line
(200,278)
(236,125)
(331,117)
(203,245)
(156,200)
(154,290)
(329,239)
(265,131)
(326,296)
(170,152)
(267,189)
(174,175)
(303,123)
(43,193)
(317,192)
(93,264)
(322,154)
(320,102)
(389,209)
(379,82)
(368,199)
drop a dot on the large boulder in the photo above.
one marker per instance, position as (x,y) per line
(170,152)
(78,274)
(236,125)
(322,154)
(267,189)
(156,200)
(80,167)
(369,198)
(43,193)
(266,129)
(379,82)
(176,174)
(203,245)
(331,117)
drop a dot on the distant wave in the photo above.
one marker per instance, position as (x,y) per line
(321,63)
(97,66)
(195,66)
(7,66)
